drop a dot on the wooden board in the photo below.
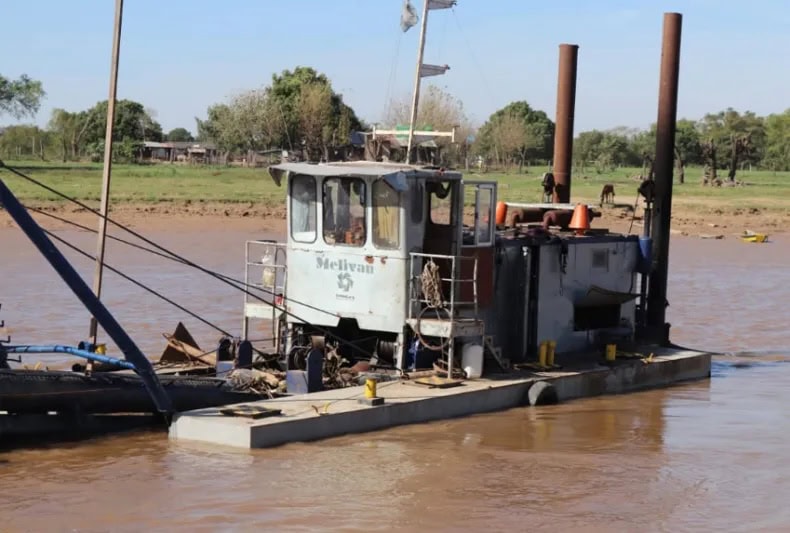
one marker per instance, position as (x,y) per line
(250,411)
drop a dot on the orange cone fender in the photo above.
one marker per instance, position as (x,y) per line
(580,220)
(501,213)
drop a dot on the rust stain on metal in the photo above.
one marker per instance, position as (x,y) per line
(563,134)
(369,259)
(384,260)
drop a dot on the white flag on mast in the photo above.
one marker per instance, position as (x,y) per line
(408,16)
(441,4)
(432,70)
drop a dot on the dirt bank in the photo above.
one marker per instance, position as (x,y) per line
(182,216)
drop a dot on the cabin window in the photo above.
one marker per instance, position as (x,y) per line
(303,209)
(483,215)
(344,201)
(386,215)
(441,202)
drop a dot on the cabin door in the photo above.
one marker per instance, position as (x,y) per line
(480,244)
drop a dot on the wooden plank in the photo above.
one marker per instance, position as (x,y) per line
(250,411)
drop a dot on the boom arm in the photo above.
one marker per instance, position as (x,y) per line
(89,300)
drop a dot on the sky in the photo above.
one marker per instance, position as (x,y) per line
(178,57)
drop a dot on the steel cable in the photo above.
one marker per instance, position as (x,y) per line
(180,258)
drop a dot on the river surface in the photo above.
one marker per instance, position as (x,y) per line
(705,456)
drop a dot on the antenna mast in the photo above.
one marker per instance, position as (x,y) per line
(422,69)
(105,191)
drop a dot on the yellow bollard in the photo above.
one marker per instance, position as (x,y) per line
(611,352)
(552,346)
(542,352)
(370,388)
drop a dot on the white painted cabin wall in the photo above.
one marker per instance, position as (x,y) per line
(377,299)
(557,293)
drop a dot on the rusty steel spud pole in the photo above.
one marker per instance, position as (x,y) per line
(662,207)
(563,133)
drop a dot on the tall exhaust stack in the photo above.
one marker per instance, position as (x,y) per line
(563,133)
(662,207)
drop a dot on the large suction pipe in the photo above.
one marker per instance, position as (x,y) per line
(563,134)
(662,208)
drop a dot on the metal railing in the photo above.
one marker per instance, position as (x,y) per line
(450,303)
(265,268)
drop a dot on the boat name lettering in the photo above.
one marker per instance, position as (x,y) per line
(343,265)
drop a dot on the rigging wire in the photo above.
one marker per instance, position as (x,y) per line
(633,215)
(479,68)
(170,258)
(175,255)
(473,56)
(392,77)
(139,284)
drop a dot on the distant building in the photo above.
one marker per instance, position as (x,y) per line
(180,152)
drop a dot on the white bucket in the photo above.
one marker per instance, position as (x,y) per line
(472,360)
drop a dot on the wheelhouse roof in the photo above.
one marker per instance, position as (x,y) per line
(395,173)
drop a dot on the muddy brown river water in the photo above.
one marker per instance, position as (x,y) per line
(704,456)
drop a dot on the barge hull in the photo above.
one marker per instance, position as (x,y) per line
(333,413)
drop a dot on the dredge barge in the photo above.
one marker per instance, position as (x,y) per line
(496,315)
(418,276)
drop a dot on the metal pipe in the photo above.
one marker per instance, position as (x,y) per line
(415,100)
(562,207)
(105,188)
(662,205)
(81,290)
(91,356)
(563,132)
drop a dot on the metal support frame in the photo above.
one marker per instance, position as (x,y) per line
(80,289)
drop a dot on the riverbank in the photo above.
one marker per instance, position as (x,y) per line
(269,218)
(181,196)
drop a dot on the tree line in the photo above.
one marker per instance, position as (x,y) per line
(300,111)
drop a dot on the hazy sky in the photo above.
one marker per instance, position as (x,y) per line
(180,56)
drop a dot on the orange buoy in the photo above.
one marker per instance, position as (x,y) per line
(501,213)
(580,220)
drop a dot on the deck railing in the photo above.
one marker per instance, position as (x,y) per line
(266,276)
(453,302)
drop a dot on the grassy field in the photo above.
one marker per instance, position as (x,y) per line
(765,191)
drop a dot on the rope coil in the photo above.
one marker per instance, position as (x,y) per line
(431,285)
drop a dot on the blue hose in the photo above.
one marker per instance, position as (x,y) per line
(72,351)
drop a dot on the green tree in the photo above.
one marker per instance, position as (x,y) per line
(20,97)
(247,123)
(777,141)
(132,122)
(25,142)
(605,150)
(737,138)
(527,134)
(439,111)
(179,135)
(285,93)
(69,131)
(280,115)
